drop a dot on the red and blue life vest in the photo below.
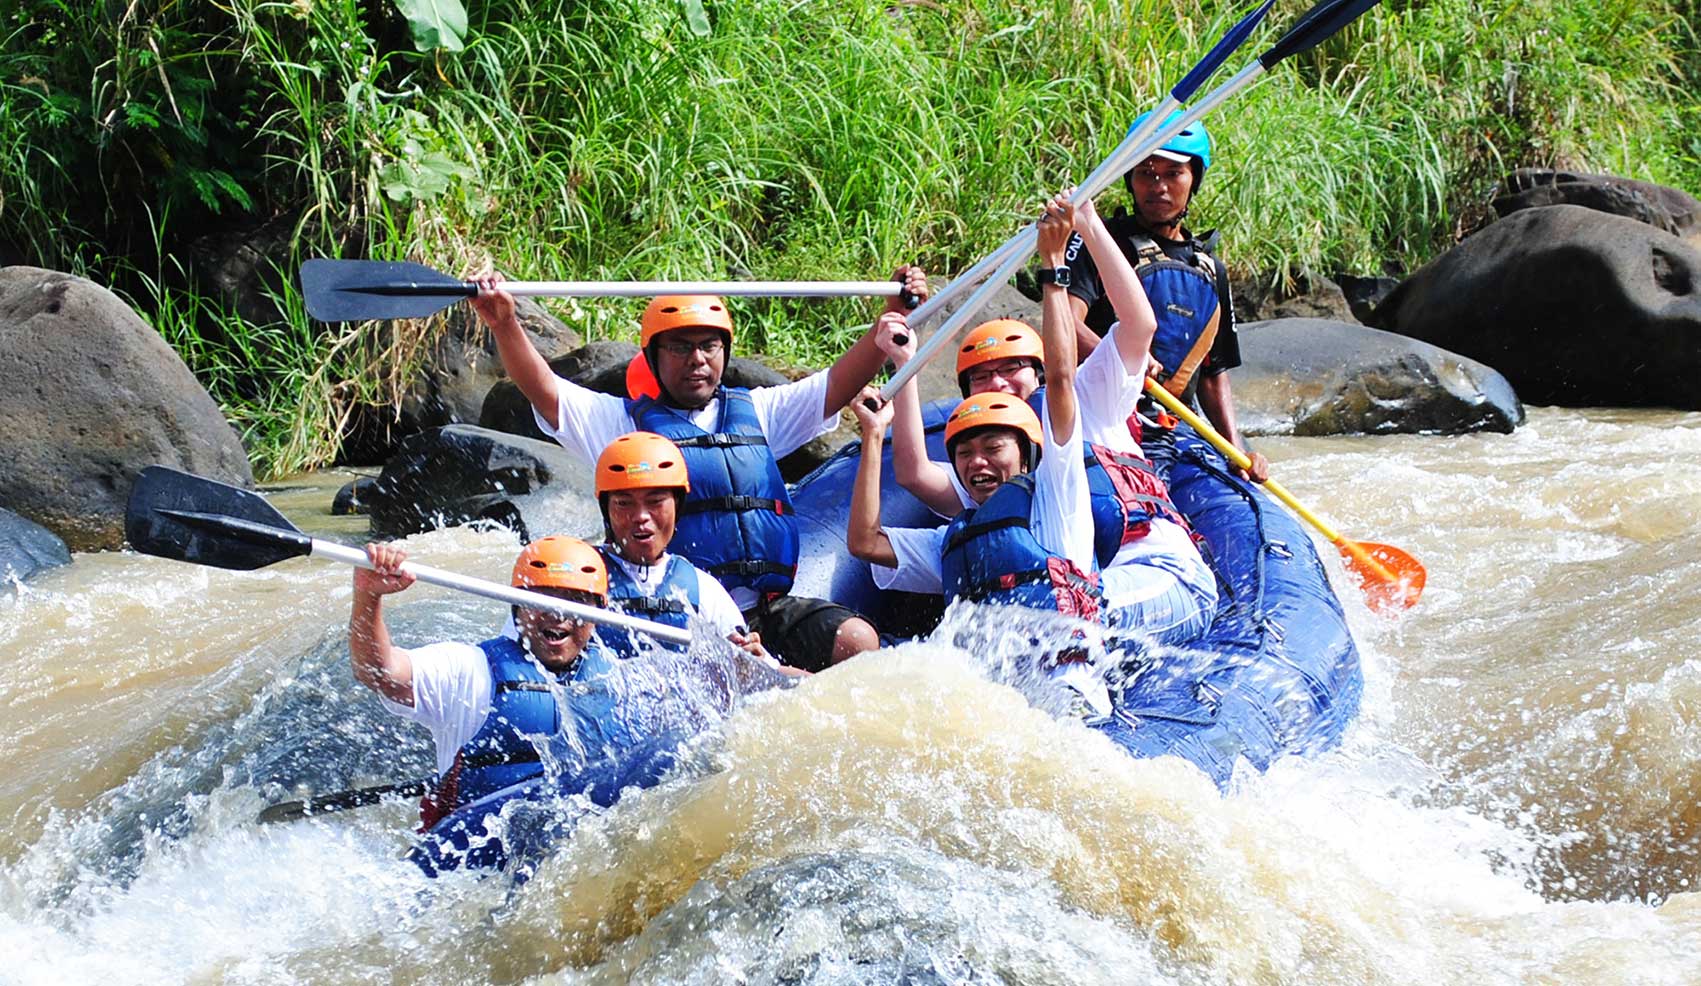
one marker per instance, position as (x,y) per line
(737,522)
(1125,492)
(991,555)
(675,600)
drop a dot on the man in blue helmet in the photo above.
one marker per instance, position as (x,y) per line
(1195,345)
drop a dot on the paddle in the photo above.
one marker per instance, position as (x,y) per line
(358,290)
(176,515)
(289,811)
(1312,29)
(1391,579)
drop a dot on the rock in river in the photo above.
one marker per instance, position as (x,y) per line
(1311,376)
(1575,307)
(93,395)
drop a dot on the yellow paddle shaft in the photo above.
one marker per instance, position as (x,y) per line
(1276,489)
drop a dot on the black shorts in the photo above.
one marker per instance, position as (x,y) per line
(799,630)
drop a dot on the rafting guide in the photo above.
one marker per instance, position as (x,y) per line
(737,522)
(1195,344)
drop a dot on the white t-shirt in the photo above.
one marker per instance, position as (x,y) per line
(451,696)
(791,415)
(1105,394)
(1062,521)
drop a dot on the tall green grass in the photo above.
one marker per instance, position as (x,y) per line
(587,139)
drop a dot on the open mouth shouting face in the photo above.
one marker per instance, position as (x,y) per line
(555,640)
(985,458)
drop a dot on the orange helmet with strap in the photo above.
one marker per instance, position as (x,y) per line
(994,411)
(560,562)
(999,339)
(668,312)
(641,460)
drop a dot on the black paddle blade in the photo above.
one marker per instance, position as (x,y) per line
(181,516)
(359,290)
(1319,24)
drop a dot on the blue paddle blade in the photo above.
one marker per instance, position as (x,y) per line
(361,290)
(1225,47)
(1319,24)
(181,516)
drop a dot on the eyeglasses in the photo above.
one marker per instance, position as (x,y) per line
(681,349)
(1006,369)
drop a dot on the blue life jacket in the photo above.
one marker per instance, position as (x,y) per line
(675,601)
(1188,307)
(991,555)
(1125,493)
(737,522)
(523,705)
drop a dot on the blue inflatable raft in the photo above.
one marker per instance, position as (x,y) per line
(1276,674)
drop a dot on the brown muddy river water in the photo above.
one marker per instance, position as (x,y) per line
(1519,801)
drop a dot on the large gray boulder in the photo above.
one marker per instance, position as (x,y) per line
(1310,376)
(27,548)
(461,474)
(1574,306)
(1669,209)
(93,395)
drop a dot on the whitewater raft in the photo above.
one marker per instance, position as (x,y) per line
(1277,674)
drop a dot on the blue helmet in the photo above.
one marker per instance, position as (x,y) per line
(1191,143)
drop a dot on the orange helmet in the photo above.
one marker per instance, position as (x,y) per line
(994,410)
(559,562)
(999,339)
(641,460)
(683,311)
(640,380)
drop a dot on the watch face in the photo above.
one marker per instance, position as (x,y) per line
(1060,277)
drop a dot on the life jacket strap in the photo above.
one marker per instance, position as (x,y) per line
(651,605)
(753,568)
(720,440)
(718,504)
(1175,381)
(974,530)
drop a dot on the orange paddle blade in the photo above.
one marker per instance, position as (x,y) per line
(1392,579)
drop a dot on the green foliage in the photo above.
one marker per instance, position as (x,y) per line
(628,139)
(435,23)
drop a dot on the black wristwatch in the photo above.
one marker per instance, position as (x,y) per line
(1053,275)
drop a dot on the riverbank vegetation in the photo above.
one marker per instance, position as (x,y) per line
(622,139)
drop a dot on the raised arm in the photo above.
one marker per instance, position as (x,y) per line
(1057,320)
(864,537)
(378,663)
(1136,322)
(927,480)
(520,359)
(852,371)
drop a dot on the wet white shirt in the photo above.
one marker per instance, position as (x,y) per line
(1062,521)
(451,696)
(1105,394)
